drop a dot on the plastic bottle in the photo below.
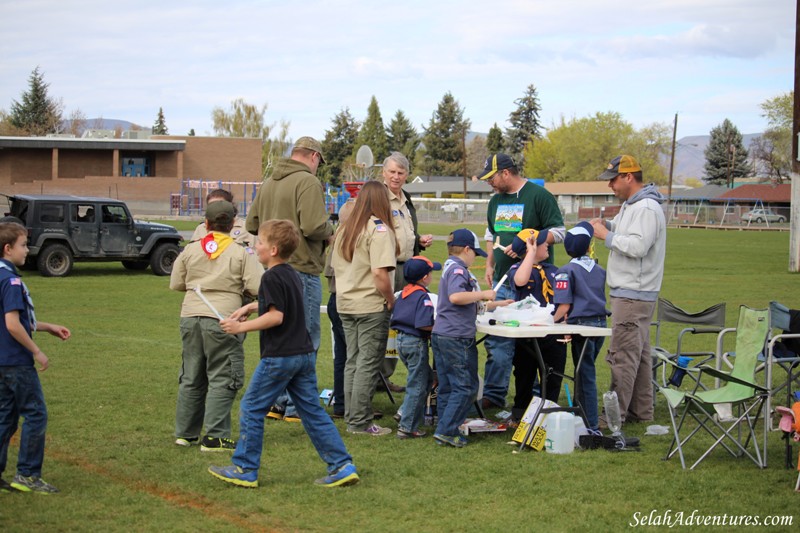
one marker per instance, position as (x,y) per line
(611,406)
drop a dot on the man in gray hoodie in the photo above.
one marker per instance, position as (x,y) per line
(636,239)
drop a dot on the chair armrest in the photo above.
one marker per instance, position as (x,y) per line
(718,356)
(724,376)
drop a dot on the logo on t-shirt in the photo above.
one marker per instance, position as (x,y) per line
(509,218)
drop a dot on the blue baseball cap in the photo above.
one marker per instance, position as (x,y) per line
(418,267)
(464,237)
(578,239)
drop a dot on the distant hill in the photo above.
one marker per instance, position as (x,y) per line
(103,124)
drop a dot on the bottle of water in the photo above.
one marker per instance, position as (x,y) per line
(611,406)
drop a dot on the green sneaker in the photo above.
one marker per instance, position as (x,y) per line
(5,486)
(33,484)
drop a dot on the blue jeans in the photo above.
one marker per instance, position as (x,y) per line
(298,376)
(339,355)
(586,383)
(457,368)
(413,351)
(21,395)
(312,299)
(500,356)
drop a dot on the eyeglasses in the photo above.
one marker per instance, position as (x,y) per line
(496,175)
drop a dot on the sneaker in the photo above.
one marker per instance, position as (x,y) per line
(291,418)
(235,476)
(457,441)
(397,416)
(217,444)
(346,475)
(403,434)
(374,430)
(6,487)
(186,441)
(337,414)
(32,484)
(276,412)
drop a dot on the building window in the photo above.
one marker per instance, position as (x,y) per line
(135,166)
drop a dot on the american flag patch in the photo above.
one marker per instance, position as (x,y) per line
(428,303)
(459,271)
(562,285)
(15,281)
(380,227)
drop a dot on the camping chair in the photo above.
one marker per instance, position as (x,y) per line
(711,320)
(713,409)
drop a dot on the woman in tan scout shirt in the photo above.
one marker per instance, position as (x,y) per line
(364,256)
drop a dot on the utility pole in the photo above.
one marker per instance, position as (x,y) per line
(672,157)
(794,229)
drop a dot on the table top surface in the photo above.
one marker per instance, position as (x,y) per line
(523,332)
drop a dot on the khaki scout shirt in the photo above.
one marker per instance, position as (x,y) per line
(355,288)
(236,273)
(403,226)
(238,233)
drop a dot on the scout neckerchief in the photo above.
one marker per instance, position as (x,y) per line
(411,288)
(585,262)
(547,289)
(25,293)
(215,243)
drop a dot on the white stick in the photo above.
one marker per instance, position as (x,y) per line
(500,283)
(205,300)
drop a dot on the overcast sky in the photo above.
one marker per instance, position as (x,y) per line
(706,60)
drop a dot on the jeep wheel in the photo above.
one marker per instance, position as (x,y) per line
(163,257)
(759,221)
(55,261)
(781,220)
(135,265)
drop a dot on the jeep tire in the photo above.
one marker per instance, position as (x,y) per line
(163,257)
(54,261)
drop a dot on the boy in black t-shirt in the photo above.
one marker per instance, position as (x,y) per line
(288,362)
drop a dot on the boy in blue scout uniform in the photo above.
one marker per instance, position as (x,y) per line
(412,317)
(532,277)
(20,389)
(580,293)
(453,338)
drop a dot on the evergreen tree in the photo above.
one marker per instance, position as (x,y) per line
(401,136)
(339,146)
(726,157)
(494,141)
(37,114)
(191,132)
(525,124)
(444,139)
(372,132)
(160,125)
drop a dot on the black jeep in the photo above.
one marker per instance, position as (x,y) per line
(64,229)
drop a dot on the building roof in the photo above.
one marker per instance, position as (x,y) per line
(700,193)
(91,144)
(767,193)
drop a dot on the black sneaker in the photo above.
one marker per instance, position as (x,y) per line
(217,444)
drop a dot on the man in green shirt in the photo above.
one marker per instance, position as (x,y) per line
(516,205)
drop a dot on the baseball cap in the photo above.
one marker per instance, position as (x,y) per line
(518,245)
(496,163)
(220,210)
(418,267)
(464,237)
(310,143)
(578,239)
(621,164)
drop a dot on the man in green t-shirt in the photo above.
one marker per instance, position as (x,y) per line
(516,205)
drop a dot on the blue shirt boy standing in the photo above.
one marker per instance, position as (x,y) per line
(580,293)
(412,317)
(20,389)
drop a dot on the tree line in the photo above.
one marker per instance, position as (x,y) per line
(569,150)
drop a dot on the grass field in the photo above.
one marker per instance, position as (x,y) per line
(111,393)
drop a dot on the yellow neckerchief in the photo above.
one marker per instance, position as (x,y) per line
(215,243)
(590,251)
(547,289)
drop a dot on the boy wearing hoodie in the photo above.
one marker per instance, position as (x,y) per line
(636,239)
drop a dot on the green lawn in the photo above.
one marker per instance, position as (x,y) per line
(111,396)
